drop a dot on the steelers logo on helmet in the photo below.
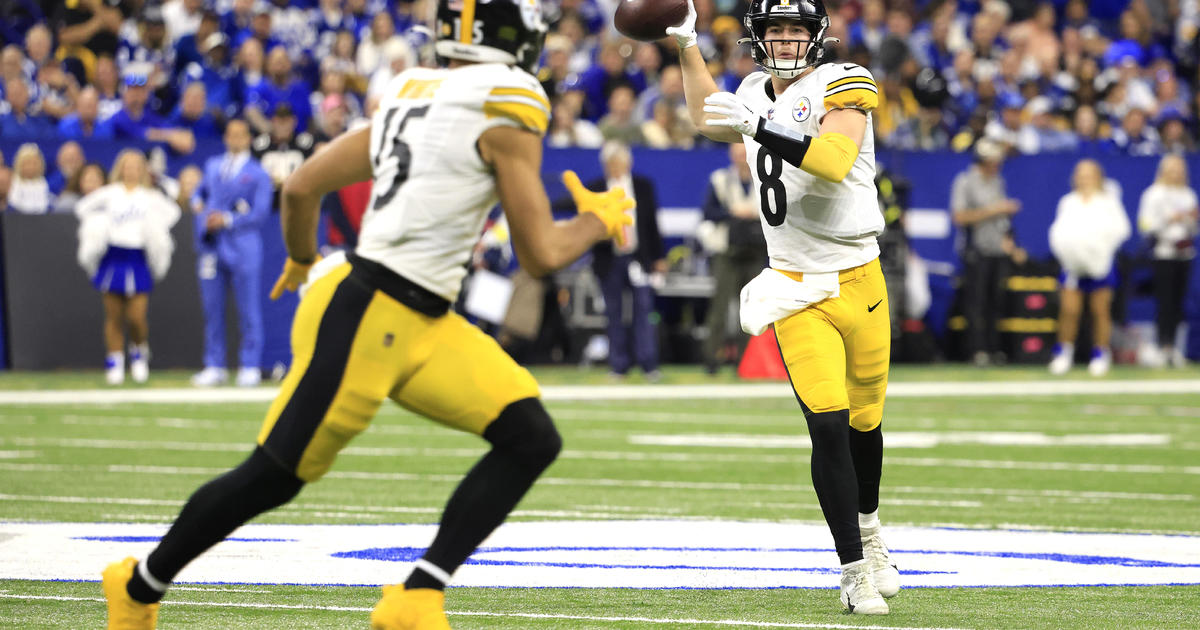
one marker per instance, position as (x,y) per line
(810,14)
(491,31)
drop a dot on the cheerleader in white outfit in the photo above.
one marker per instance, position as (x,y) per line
(1089,227)
(125,245)
(1170,215)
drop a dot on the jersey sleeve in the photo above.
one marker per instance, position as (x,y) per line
(516,99)
(851,86)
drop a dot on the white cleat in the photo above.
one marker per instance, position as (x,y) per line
(1060,364)
(1100,363)
(114,375)
(884,574)
(859,595)
(210,377)
(249,377)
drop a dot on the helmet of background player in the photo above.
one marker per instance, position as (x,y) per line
(491,31)
(810,13)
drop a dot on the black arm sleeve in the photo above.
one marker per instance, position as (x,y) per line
(786,143)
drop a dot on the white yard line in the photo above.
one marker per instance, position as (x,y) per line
(1010,493)
(467,613)
(906,439)
(1048,387)
(922,462)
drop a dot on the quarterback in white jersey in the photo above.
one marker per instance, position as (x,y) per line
(445,146)
(806,124)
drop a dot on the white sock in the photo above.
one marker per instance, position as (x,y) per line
(1068,349)
(150,580)
(868,521)
(850,565)
(117,358)
(140,350)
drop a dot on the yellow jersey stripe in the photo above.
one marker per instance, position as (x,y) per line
(528,116)
(419,88)
(466,25)
(860,98)
(845,80)
(516,91)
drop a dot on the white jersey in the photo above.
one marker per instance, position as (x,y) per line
(811,224)
(431,191)
(132,217)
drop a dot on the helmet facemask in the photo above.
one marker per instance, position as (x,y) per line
(763,49)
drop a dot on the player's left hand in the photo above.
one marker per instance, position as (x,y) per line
(611,207)
(294,274)
(730,111)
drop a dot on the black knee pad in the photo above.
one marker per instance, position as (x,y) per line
(826,426)
(524,428)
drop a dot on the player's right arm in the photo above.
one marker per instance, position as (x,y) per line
(698,84)
(541,244)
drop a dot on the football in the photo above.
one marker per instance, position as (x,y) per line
(648,20)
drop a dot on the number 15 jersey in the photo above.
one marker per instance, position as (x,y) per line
(811,224)
(431,190)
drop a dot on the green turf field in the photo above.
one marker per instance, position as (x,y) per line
(1089,463)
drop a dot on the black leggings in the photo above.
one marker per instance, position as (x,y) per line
(1170,290)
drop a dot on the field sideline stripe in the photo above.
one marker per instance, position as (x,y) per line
(469,613)
(932,389)
(648,456)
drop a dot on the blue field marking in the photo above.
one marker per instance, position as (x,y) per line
(149,539)
(412,554)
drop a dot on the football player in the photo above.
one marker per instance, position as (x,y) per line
(806,124)
(444,146)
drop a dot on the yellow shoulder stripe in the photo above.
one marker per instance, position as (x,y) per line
(419,88)
(516,91)
(528,116)
(861,98)
(848,80)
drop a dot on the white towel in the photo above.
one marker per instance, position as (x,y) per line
(773,296)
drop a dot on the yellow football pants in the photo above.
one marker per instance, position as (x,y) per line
(353,346)
(837,351)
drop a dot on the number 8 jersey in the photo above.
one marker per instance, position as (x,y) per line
(811,224)
(431,191)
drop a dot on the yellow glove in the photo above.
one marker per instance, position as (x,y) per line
(294,274)
(611,207)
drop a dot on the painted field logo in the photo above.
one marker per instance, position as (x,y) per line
(802,109)
(622,554)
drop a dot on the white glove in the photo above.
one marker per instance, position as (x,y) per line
(685,33)
(731,112)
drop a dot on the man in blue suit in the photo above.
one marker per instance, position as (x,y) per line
(230,205)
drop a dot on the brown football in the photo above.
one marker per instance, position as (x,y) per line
(648,20)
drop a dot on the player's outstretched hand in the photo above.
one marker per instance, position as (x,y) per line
(730,111)
(611,207)
(685,33)
(294,274)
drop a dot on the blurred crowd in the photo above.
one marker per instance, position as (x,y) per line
(1056,75)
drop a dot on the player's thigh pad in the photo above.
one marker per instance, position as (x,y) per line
(868,344)
(467,380)
(351,345)
(815,359)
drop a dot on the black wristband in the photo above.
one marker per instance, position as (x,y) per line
(303,262)
(786,143)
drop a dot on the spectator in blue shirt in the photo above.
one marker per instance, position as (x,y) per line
(190,48)
(135,121)
(18,122)
(599,81)
(279,86)
(220,78)
(192,113)
(85,121)
(68,163)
